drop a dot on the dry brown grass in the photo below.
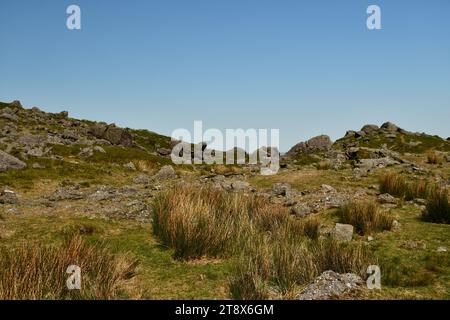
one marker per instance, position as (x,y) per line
(324,165)
(366,217)
(36,271)
(434,158)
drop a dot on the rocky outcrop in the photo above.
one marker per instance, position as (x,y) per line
(319,143)
(113,134)
(370,128)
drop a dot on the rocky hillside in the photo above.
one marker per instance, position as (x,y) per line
(375,188)
(32,134)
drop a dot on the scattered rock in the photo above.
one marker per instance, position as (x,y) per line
(142,179)
(343,232)
(99,149)
(331,285)
(327,188)
(414,245)
(8,197)
(166,173)
(86,152)
(301,210)
(10,117)
(386,198)
(441,249)
(281,189)
(421,202)
(395,225)
(70,193)
(37,166)
(130,166)
(240,185)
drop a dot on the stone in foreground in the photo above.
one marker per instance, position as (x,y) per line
(343,232)
(331,285)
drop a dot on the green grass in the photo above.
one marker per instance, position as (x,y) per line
(413,273)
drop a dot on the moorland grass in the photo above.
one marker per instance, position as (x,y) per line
(34,271)
(367,217)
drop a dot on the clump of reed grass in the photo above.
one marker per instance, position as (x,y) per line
(366,217)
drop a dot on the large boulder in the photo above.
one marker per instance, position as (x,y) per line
(390,127)
(8,161)
(319,143)
(119,136)
(331,285)
(16,104)
(166,173)
(370,128)
(114,135)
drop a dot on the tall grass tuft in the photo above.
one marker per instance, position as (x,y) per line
(36,271)
(434,158)
(276,266)
(204,221)
(397,185)
(438,207)
(365,216)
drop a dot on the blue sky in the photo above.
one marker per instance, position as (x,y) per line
(304,67)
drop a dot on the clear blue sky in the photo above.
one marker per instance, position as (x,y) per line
(305,67)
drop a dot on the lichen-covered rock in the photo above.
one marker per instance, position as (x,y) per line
(342,232)
(281,189)
(331,285)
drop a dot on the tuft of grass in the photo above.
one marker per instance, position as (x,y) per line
(438,207)
(36,271)
(397,185)
(204,221)
(324,165)
(434,158)
(393,184)
(365,216)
